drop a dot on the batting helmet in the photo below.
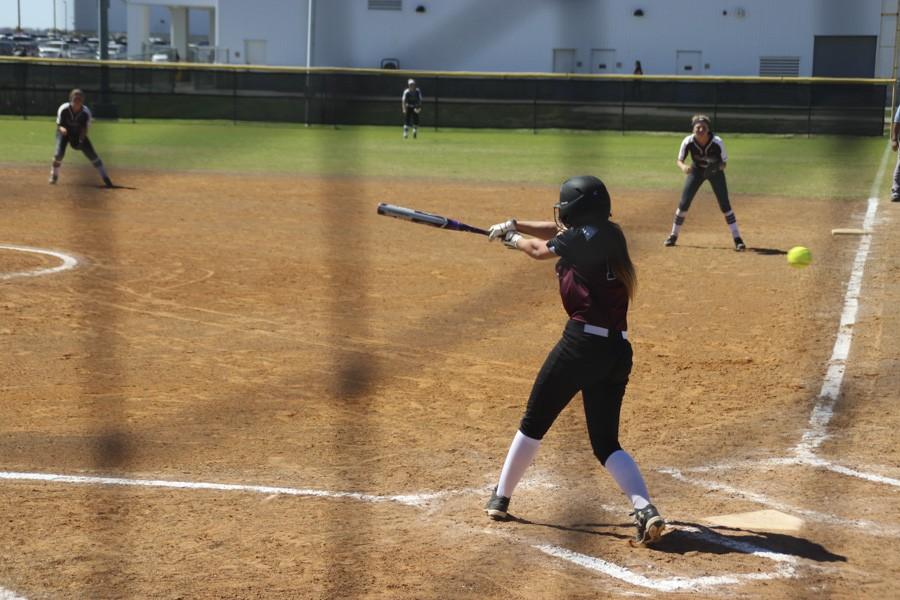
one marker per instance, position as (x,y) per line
(581,200)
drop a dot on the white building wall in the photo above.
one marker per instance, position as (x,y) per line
(281,24)
(498,35)
(141,14)
(87,18)
(520,35)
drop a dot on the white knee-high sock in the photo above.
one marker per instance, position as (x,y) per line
(521,453)
(626,473)
(732,224)
(98,164)
(678,221)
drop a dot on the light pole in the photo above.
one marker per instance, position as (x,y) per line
(55,30)
(19,6)
(65,16)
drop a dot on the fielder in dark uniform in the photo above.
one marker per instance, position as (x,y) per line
(73,119)
(709,159)
(411,104)
(596,282)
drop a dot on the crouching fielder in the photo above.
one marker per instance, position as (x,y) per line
(709,159)
(73,119)
(596,282)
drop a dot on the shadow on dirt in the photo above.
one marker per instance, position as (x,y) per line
(588,528)
(678,541)
(767,251)
(763,251)
(100,186)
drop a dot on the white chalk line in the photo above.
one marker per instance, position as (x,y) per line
(823,411)
(785,566)
(822,414)
(68,262)
(406,499)
(765,463)
(422,500)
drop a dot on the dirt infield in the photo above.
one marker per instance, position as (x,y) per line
(274,331)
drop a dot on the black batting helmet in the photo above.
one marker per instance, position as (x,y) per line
(582,199)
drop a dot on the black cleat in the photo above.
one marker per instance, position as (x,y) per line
(739,245)
(108,182)
(670,241)
(52,180)
(895,198)
(650,526)
(497,507)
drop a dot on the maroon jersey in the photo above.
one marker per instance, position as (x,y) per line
(589,289)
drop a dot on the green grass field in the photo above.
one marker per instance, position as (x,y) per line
(793,166)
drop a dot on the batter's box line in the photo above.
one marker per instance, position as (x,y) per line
(415,500)
(6,594)
(818,463)
(871,528)
(785,565)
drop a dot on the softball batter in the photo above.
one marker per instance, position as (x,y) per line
(709,159)
(411,106)
(594,356)
(73,119)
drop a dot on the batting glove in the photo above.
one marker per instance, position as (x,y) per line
(501,229)
(511,239)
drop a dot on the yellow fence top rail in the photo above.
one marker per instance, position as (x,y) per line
(424,74)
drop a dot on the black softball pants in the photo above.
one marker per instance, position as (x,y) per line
(596,366)
(412,117)
(695,179)
(85,146)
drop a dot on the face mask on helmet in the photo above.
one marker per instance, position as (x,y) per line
(582,200)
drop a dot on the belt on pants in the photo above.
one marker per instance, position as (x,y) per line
(602,331)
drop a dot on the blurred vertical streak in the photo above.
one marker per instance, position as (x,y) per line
(102,383)
(352,371)
(576,25)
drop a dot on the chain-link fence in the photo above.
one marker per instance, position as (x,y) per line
(372,97)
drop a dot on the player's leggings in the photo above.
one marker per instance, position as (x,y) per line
(895,187)
(62,142)
(692,183)
(596,366)
(412,117)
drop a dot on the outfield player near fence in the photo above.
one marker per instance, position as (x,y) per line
(596,282)
(708,158)
(411,106)
(895,140)
(73,120)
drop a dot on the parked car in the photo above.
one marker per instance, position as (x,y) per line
(82,53)
(53,49)
(116,50)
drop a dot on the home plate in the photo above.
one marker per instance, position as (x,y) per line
(764,520)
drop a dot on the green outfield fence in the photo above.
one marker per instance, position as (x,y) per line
(133,90)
